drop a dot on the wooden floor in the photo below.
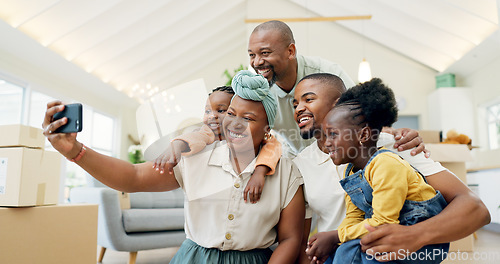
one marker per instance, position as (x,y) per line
(487,251)
(156,256)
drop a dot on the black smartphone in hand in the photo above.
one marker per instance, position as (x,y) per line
(74,114)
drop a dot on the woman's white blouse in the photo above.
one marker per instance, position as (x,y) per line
(216,216)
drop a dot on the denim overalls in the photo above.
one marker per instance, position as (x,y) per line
(360,191)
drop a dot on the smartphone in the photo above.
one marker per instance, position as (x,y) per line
(74,114)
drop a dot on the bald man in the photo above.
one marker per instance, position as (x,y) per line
(273,54)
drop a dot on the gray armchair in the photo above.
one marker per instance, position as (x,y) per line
(154,220)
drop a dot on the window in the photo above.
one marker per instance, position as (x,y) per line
(37,107)
(11,103)
(98,133)
(19,104)
(102,133)
(493,115)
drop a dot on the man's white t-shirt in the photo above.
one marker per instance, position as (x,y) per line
(323,193)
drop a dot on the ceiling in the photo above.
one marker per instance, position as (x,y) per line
(130,43)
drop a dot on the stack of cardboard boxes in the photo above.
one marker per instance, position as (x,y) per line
(33,228)
(452,157)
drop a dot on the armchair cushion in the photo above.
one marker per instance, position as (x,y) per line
(147,200)
(148,220)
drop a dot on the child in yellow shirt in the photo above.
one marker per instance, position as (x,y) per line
(381,188)
(190,143)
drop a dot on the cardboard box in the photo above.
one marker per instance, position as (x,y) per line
(124,199)
(453,157)
(464,244)
(29,177)
(21,135)
(445,80)
(431,136)
(49,234)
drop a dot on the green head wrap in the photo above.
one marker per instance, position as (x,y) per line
(251,86)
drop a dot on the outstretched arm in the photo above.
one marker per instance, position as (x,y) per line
(170,157)
(290,229)
(406,139)
(266,162)
(186,144)
(464,214)
(303,258)
(269,155)
(124,176)
(197,140)
(113,172)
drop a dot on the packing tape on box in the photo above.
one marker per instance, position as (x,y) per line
(20,146)
(40,194)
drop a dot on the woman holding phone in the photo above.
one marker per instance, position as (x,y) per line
(220,227)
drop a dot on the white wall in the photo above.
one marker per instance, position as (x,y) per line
(488,182)
(452,108)
(213,75)
(486,88)
(408,79)
(24,59)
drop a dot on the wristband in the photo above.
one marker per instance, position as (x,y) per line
(80,154)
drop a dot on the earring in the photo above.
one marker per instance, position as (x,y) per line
(267,136)
(360,143)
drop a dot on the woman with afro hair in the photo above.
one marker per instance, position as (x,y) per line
(381,188)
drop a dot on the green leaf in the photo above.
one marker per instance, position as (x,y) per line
(230,76)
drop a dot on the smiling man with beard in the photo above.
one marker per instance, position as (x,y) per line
(273,54)
(315,95)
